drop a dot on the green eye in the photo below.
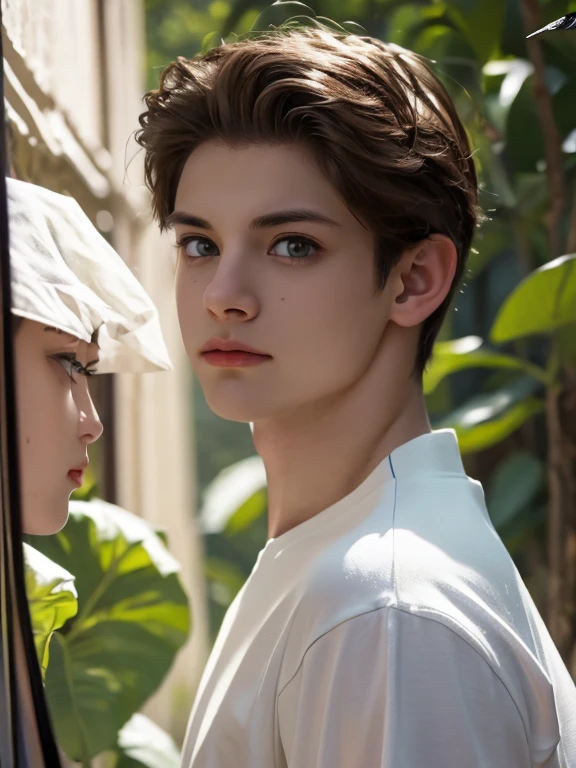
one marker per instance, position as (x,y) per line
(197,247)
(296,248)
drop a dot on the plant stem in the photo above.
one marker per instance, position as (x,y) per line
(571,241)
(552,143)
(100,589)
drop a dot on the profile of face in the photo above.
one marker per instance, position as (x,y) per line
(270,258)
(56,421)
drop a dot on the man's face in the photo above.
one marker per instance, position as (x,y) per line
(56,421)
(303,293)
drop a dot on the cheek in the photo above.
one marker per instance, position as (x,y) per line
(47,416)
(189,293)
(334,328)
(46,436)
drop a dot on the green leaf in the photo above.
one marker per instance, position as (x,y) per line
(524,528)
(467,352)
(542,303)
(247,513)
(229,492)
(524,148)
(133,617)
(487,419)
(491,240)
(513,486)
(482,21)
(225,579)
(211,40)
(493,173)
(563,104)
(532,193)
(513,74)
(143,744)
(52,599)
(279,13)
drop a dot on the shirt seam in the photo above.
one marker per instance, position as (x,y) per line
(428,618)
(394,587)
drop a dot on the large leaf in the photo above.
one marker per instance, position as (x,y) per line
(542,303)
(524,148)
(512,73)
(495,180)
(526,527)
(491,241)
(487,419)
(513,486)
(143,744)
(231,494)
(225,579)
(468,352)
(482,21)
(133,617)
(52,599)
(563,103)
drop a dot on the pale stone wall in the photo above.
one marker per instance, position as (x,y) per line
(74,83)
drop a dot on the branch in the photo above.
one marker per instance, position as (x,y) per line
(552,141)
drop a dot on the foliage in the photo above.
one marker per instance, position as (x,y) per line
(132,618)
(52,599)
(142,744)
(234,522)
(178,27)
(229,501)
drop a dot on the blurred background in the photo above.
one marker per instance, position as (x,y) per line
(504,372)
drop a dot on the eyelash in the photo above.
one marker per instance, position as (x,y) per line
(185,239)
(73,364)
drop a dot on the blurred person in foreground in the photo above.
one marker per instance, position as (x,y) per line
(323,197)
(77,311)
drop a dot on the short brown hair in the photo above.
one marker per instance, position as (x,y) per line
(382,127)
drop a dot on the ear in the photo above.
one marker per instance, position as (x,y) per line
(422,280)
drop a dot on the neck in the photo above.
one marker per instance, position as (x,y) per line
(322,453)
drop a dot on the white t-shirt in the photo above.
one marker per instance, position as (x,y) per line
(392,630)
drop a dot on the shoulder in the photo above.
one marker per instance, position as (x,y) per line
(418,549)
(437,558)
(393,672)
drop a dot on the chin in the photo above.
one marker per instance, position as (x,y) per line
(241,409)
(45,521)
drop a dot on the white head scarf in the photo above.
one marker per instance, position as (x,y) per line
(65,274)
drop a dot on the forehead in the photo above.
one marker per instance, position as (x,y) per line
(252,179)
(64,336)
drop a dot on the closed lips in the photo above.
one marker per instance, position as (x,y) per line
(230,345)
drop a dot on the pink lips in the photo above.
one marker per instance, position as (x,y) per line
(76,475)
(227,353)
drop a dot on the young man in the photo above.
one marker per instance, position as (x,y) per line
(324,199)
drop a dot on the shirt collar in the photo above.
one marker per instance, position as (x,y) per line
(433,452)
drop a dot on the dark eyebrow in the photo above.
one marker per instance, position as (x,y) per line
(75,338)
(260,222)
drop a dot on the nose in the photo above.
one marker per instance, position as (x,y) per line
(89,424)
(229,295)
